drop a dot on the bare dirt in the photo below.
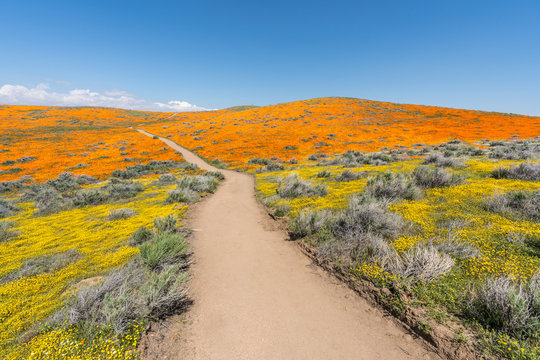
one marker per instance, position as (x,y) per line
(257,296)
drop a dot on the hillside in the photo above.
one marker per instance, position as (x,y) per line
(334,125)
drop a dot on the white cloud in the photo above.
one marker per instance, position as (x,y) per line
(42,95)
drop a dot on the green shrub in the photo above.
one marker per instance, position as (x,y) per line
(167,248)
(293,187)
(392,187)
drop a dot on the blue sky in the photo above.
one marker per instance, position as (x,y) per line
(214,54)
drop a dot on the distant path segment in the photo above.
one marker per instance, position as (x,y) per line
(256,296)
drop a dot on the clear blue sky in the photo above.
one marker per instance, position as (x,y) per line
(471,54)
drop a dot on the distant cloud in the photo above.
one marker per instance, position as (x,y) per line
(43,95)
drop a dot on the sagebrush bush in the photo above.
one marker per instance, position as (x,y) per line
(348,175)
(504,304)
(7,208)
(392,187)
(166,224)
(324,174)
(118,189)
(523,171)
(428,177)
(163,292)
(523,203)
(271,167)
(86,197)
(167,179)
(143,234)
(6,233)
(199,183)
(363,215)
(216,174)
(422,262)
(124,213)
(167,248)
(294,186)
(182,195)
(308,222)
(14,185)
(439,159)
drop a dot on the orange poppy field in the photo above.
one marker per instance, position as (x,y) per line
(45,141)
(333,125)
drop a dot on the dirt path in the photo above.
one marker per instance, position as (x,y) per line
(256,296)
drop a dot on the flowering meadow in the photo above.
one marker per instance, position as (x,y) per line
(438,207)
(43,142)
(332,125)
(47,258)
(448,228)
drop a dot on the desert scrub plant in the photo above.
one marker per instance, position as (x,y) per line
(166,248)
(152,167)
(14,185)
(166,224)
(181,195)
(523,171)
(324,174)
(439,159)
(271,167)
(422,262)
(503,304)
(348,175)
(198,183)
(365,214)
(167,179)
(142,235)
(523,203)
(216,174)
(308,222)
(258,161)
(7,208)
(118,189)
(293,186)
(428,177)
(163,292)
(119,214)
(6,233)
(393,187)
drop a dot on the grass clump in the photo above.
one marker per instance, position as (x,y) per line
(7,208)
(422,263)
(428,177)
(142,235)
(438,159)
(523,171)
(348,175)
(199,183)
(6,233)
(523,203)
(166,224)
(182,195)
(504,304)
(119,214)
(392,187)
(308,222)
(294,187)
(166,248)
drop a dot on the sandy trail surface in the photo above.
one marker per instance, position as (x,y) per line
(257,296)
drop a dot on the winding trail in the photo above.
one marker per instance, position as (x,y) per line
(256,296)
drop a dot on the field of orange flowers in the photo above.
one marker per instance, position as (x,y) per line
(43,142)
(332,125)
